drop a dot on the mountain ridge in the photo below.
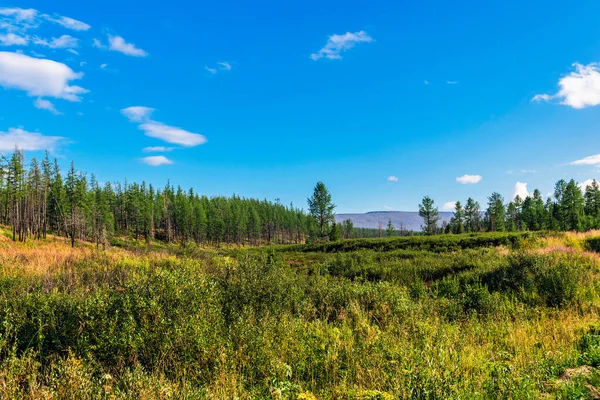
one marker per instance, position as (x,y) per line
(406,220)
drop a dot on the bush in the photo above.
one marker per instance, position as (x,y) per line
(553,278)
(438,243)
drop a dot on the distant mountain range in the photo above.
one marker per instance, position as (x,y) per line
(407,220)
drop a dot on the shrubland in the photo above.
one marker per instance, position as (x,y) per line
(453,316)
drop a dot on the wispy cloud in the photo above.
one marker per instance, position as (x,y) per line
(47,105)
(158,130)
(155,161)
(28,141)
(157,149)
(12,39)
(388,208)
(137,113)
(20,14)
(117,43)
(63,42)
(451,82)
(69,23)
(337,44)
(392,178)
(39,77)
(225,65)
(211,70)
(468,179)
(591,160)
(579,89)
(172,134)
(426,82)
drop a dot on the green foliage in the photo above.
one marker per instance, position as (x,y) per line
(439,243)
(430,216)
(423,317)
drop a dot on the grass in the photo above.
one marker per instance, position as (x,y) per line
(473,316)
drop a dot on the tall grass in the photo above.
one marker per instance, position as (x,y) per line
(470,322)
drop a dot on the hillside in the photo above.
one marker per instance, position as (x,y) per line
(408,220)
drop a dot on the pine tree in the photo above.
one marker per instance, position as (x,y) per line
(390,229)
(457,222)
(334,232)
(472,216)
(496,213)
(430,216)
(321,208)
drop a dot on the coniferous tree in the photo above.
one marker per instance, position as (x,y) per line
(473,221)
(496,213)
(321,208)
(457,222)
(430,216)
(592,205)
(390,229)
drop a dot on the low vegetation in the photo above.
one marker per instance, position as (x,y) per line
(477,316)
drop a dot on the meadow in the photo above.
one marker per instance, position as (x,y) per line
(503,316)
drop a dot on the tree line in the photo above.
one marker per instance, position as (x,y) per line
(570,209)
(37,199)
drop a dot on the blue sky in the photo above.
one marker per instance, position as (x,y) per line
(383,101)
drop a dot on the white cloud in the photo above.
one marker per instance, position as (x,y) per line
(211,70)
(157,149)
(11,39)
(579,89)
(426,82)
(449,206)
(97,43)
(44,104)
(155,161)
(583,185)
(158,130)
(520,190)
(388,208)
(225,65)
(468,179)
(117,43)
(19,14)
(451,82)
(70,23)
(392,178)
(28,141)
(102,66)
(340,43)
(172,134)
(63,42)
(39,77)
(542,97)
(591,160)
(137,113)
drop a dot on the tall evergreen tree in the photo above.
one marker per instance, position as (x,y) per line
(430,216)
(496,213)
(321,208)
(457,222)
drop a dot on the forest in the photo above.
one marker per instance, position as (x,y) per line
(36,198)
